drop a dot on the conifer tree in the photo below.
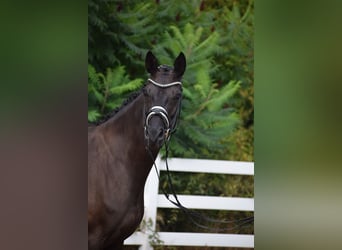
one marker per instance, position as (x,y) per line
(205,117)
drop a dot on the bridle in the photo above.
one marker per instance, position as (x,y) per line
(161,112)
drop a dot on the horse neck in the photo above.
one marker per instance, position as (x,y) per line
(127,133)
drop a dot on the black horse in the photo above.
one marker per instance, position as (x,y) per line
(121,152)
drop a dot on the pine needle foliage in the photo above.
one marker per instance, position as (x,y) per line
(235,23)
(206,117)
(107,91)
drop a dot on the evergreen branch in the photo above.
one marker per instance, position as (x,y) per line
(223,96)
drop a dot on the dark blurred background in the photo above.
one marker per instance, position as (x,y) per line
(43,145)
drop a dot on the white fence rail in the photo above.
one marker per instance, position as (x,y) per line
(154,200)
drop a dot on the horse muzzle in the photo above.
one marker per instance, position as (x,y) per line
(157,126)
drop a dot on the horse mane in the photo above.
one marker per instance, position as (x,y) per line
(112,113)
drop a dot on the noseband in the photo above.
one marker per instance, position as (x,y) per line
(160,111)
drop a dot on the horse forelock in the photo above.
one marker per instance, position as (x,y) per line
(165,68)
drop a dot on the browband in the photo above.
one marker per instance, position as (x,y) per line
(164,85)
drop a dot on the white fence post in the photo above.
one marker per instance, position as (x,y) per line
(150,199)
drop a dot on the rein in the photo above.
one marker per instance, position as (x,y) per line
(193,215)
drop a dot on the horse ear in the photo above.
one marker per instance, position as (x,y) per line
(180,64)
(151,63)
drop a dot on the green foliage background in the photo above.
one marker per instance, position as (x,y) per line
(217,117)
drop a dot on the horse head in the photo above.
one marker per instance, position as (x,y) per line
(162,99)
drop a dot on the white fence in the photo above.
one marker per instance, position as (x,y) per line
(153,201)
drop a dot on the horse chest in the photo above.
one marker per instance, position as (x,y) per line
(124,221)
(132,218)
